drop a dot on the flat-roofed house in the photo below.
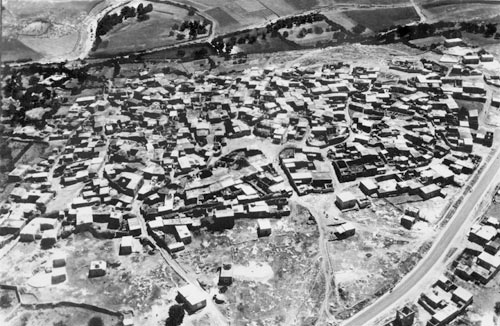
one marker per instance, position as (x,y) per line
(345,200)
(193,297)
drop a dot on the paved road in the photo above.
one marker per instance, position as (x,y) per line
(435,254)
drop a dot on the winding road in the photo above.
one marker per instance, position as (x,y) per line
(419,275)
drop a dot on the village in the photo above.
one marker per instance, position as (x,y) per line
(154,159)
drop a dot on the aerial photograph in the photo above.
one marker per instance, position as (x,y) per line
(250,163)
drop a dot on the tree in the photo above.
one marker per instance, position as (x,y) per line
(318,30)
(95,321)
(497,308)
(175,26)
(191,11)
(5,299)
(33,80)
(175,315)
(200,54)
(285,34)
(358,29)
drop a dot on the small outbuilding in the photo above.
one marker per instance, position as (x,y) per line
(226,274)
(97,268)
(263,227)
(58,275)
(126,245)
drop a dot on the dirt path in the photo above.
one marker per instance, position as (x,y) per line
(326,266)
(423,19)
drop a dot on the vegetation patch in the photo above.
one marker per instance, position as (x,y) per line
(152,25)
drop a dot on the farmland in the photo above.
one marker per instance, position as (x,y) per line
(460,9)
(13,49)
(380,19)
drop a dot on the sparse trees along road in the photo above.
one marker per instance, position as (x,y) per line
(438,251)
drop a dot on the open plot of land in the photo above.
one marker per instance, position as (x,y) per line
(60,316)
(380,19)
(36,29)
(270,273)
(139,282)
(371,262)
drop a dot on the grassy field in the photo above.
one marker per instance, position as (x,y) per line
(134,35)
(380,19)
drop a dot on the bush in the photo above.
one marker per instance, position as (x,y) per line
(497,308)
(5,300)
(175,315)
(358,29)
(318,30)
(96,321)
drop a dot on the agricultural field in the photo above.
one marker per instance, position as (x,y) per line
(140,282)
(42,29)
(381,19)
(159,30)
(238,14)
(13,50)
(454,10)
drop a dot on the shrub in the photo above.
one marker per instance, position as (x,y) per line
(96,321)
(497,308)
(5,300)
(175,315)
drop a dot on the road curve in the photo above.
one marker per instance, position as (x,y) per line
(436,253)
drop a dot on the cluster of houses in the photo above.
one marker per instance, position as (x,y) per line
(480,260)
(152,144)
(148,152)
(444,301)
(303,171)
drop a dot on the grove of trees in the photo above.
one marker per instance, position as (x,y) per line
(109,21)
